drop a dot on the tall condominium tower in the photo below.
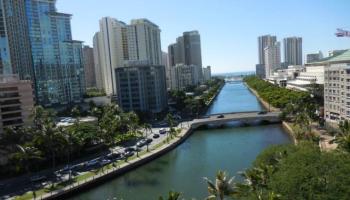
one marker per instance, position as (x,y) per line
(112,50)
(57,58)
(263,42)
(272,58)
(15,51)
(89,67)
(293,50)
(186,50)
(97,47)
(118,43)
(143,39)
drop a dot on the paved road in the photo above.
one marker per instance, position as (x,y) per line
(23,184)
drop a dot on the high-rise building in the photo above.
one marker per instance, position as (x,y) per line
(97,48)
(143,40)
(183,76)
(119,43)
(15,44)
(314,57)
(207,73)
(165,63)
(112,51)
(89,67)
(142,87)
(16,100)
(260,70)
(57,58)
(293,50)
(186,50)
(263,42)
(272,58)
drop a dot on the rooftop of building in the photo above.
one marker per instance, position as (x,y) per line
(59,14)
(142,20)
(340,58)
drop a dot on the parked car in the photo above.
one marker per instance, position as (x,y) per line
(112,156)
(148,140)
(129,149)
(162,131)
(37,178)
(155,136)
(93,163)
(141,143)
(128,154)
(104,162)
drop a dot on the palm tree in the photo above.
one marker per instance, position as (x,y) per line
(222,188)
(171,196)
(147,127)
(343,139)
(170,120)
(25,156)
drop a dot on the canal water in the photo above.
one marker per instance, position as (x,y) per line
(232,149)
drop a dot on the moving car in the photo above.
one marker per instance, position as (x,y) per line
(221,116)
(155,136)
(262,113)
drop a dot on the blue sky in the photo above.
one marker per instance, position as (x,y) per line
(228,28)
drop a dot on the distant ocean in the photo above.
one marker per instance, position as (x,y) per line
(230,74)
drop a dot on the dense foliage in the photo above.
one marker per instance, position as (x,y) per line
(94,92)
(297,107)
(195,104)
(304,172)
(277,96)
(44,143)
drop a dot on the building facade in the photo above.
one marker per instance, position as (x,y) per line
(260,71)
(293,50)
(165,63)
(117,44)
(89,67)
(97,48)
(57,58)
(16,101)
(143,40)
(142,88)
(263,42)
(272,58)
(183,76)
(15,48)
(337,87)
(314,57)
(207,73)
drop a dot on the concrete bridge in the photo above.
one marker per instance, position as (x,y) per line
(245,117)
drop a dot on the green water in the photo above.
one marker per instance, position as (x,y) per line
(232,149)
